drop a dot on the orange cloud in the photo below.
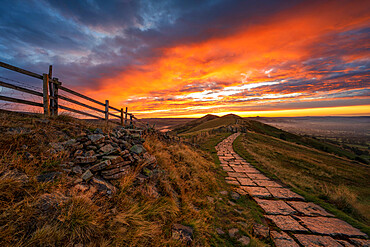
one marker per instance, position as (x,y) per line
(296,55)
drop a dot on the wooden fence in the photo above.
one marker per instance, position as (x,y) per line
(51,96)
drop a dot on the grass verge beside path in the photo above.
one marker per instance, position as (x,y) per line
(210,142)
(337,184)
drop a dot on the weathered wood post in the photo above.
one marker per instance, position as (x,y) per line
(131,121)
(106,110)
(51,90)
(122,116)
(126,117)
(56,87)
(45,79)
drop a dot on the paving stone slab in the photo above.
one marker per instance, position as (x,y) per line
(239,169)
(345,243)
(234,163)
(258,176)
(228,155)
(314,240)
(309,209)
(275,207)
(329,226)
(286,223)
(251,170)
(239,160)
(233,182)
(237,174)
(260,192)
(360,242)
(284,193)
(248,166)
(227,169)
(223,159)
(241,191)
(244,163)
(281,239)
(267,183)
(230,178)
(246,181)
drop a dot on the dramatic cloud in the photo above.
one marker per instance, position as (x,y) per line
(166,58)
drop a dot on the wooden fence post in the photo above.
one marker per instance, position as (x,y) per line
(106,110)
(51,90)
(56,87)
(45,78)
(126,117)
(122,116)
(131,120)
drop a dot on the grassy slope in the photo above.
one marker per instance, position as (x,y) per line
(133,215)
(321,177)
(193,123)
(218,122)
(281,134)
(308,165)
(194,181)
(209,143)
(262,128)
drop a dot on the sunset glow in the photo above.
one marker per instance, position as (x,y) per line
(306,59)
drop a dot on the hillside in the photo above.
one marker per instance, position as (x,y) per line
(323,172)
(338,184)
(166,124)
(246,124)
(68,182)
(188,126)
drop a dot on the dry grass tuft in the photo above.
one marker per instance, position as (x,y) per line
(80,219)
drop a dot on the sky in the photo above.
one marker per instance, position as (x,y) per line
(188,58)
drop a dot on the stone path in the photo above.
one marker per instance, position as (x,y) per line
(295,222)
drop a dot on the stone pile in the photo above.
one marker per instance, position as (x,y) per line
(106,156)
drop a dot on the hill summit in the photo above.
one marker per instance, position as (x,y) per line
(208,122)
(193,123)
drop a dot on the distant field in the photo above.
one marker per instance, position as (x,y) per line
(332,127)
(165,124)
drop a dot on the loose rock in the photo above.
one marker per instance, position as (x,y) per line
(235,196)
(244,240)
(220,231)
(87,175)
(182,233)
(233,232)
(47,177)
(260,231)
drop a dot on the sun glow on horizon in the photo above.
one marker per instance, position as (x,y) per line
(348,111)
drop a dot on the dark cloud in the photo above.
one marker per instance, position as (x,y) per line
(88,40)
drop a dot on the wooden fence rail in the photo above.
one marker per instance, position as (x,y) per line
(51,97)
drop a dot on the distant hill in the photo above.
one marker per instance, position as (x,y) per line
(165,124)
(194,123)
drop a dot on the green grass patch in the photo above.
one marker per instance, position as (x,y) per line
(209,143)
(338,185)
